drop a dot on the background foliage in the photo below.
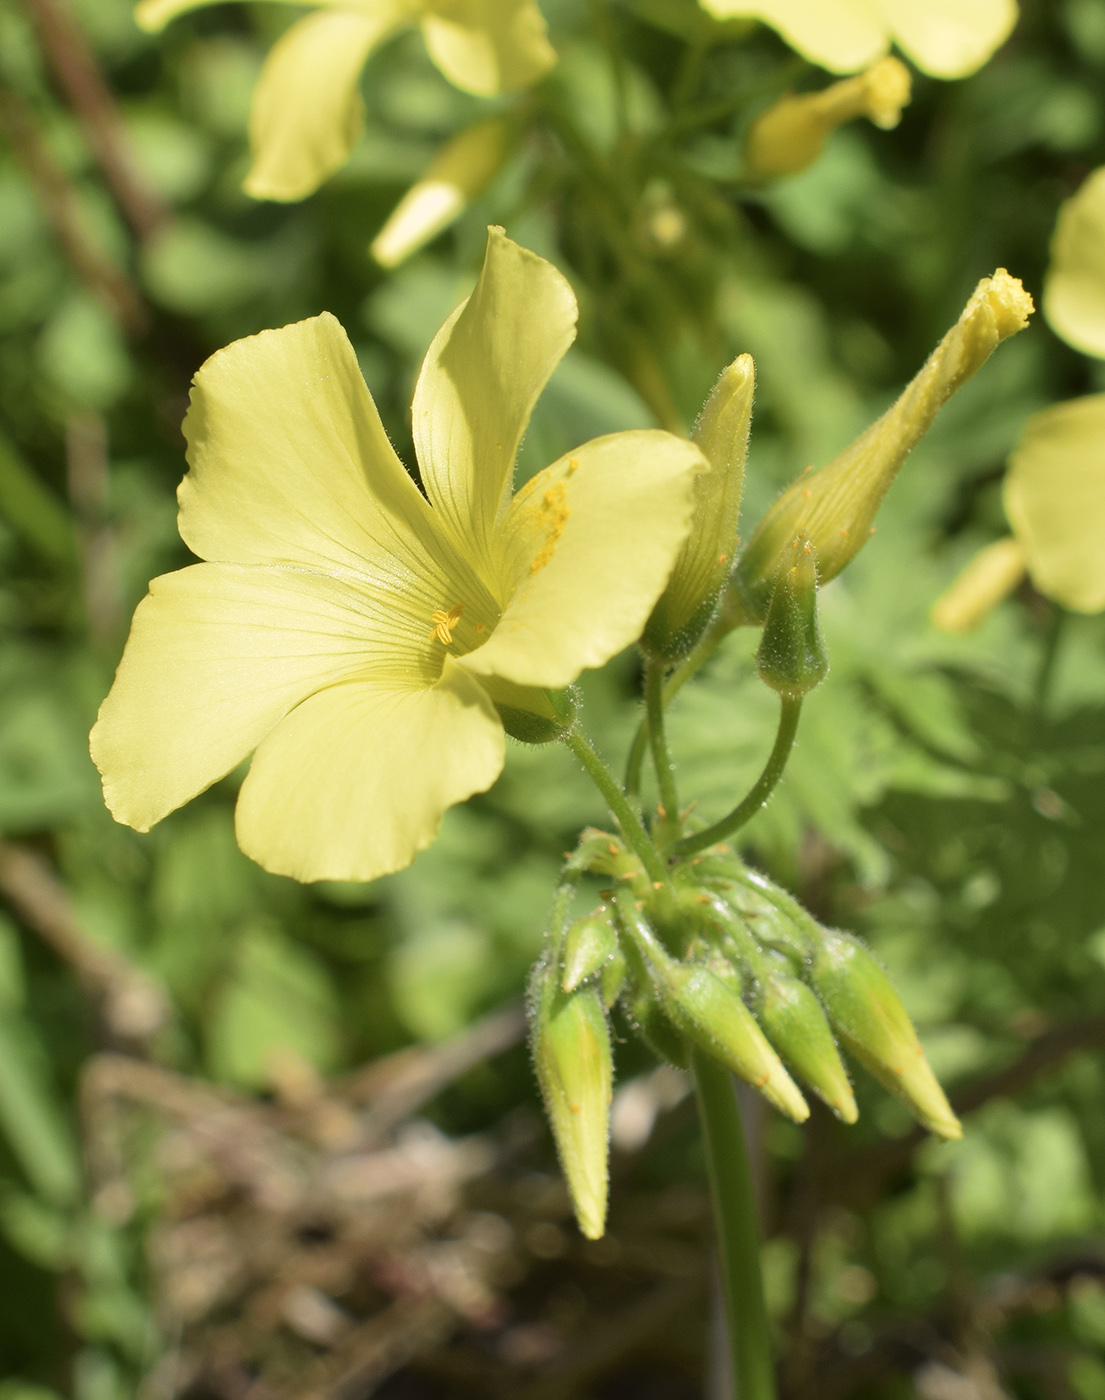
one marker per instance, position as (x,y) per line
(945,799)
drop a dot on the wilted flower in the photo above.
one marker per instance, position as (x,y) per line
(946,40)
(307,111)
(363,639)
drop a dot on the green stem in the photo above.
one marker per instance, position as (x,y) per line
(738,1231)
(632,828)
(1050,655)
(661,757)
(764,786)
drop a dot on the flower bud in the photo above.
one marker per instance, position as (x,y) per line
(571,1052)
(530,715)
(706,559)
(589,945)
(796,1025)
(792,133)
(834,507)
(700,1005)
(872,1022)
(612,978)
(649,1021)
(990,577)
(791,655)
(460,171)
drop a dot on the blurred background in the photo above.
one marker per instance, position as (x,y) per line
(261,1141)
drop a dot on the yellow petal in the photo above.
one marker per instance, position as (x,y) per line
(950,38)
(988,579)
(488,46)
(1055,501)
(307,110)
(460,171)
(354,783)
(588,545)
(290,464)
(479,382)
(841,35)
(153,15)
(1074,292)
(218,654)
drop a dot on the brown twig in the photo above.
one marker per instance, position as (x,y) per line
(61,205)
(134,1006)
(78,75)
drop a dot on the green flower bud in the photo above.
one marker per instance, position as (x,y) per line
(612,978)
(835,507)
(589,945)
(706,559)
(699,1004)
(791,656)
(872,1022)
(796,1025)
(647,1018)
(571,1051)
(530,715)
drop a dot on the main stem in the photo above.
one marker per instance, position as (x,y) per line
(738,1231)
(630,823)
(765,784)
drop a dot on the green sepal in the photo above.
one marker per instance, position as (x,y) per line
(589,945)
(796,1025)
(530,715)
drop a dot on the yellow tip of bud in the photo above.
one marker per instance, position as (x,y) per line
(1006,298)
(792,133)
(990,577)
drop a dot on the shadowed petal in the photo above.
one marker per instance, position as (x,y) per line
(1055,500)
(479,382)
(218,654)
(488,46)
(1074,292)
(307,111)
(153,15)
(587,547)
(354,783)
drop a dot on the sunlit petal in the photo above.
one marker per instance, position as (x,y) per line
(153,15)
(588,545)
(218,654)
(841,35)
(1074,292)
(950,38)
(354,783)
(307,111)
(479,382)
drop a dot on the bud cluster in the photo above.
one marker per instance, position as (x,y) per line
(723,961)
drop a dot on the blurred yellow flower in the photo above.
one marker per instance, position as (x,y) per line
(1055,487)
(947,38)
(358,636)
(307,111)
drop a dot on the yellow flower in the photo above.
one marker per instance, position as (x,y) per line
(355,634)
(947,38)
(307,110)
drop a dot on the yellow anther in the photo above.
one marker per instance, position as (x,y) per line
(573,465)
(444,622)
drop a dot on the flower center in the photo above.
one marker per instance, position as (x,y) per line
(444,622)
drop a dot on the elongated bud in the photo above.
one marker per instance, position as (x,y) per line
(649,1021)
(872,1022)
(713,1017)
(612,978)
(589,945)
(571,1051)
(834,508)
(460,171)
(706,559)
(796,1025)
(792,133)
(989,578)
(791,655)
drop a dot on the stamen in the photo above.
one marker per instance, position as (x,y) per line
(444,622)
